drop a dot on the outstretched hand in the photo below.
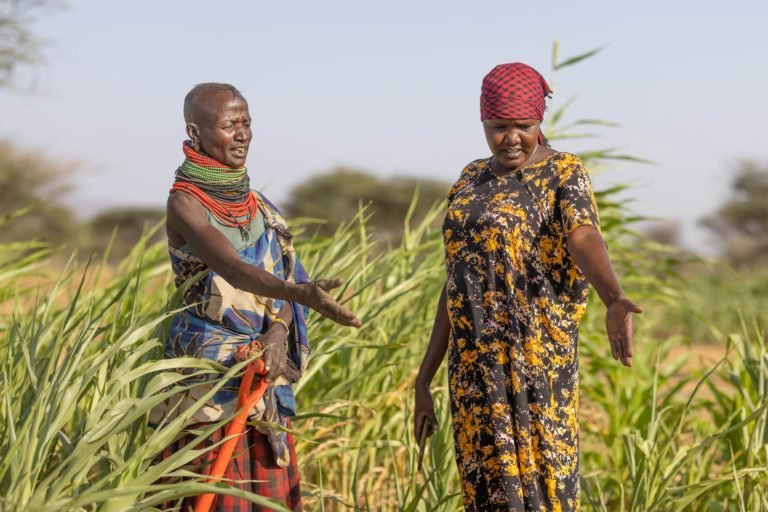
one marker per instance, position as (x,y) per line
(317,298)
(620,328)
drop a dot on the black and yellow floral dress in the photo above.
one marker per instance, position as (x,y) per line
(515,299)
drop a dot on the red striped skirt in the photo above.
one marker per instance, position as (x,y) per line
(252,460)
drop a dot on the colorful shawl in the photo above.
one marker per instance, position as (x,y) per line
(219,318)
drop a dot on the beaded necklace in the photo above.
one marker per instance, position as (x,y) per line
(224,191)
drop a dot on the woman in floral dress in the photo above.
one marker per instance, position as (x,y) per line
(522,244)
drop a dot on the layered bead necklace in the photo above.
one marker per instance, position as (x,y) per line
(224,191)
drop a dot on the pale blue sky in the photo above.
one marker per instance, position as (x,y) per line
(392,87)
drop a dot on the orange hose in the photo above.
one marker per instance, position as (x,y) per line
(245,401)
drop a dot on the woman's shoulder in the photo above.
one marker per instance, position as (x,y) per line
(565,165)
(468,174)
(476,165)
(473,168)
(478,162)
(564,160)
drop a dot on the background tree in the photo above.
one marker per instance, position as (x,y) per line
(336,196)
(741,224)
(29,182)
(127,225)
(664,232)
(34,184)
(18,44)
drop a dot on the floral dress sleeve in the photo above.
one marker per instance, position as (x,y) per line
(576,200)
(468,174)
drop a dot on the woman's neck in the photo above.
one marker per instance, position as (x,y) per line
(540,153)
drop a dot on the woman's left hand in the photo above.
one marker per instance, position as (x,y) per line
(620,327)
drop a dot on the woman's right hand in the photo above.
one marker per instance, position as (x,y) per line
(315,295)
(424,412)
(187,223)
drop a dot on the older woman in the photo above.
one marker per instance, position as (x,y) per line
(253,290)
(522,245)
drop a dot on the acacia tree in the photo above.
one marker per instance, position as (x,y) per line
(337,195)
(741,223)
(29,183)
(33,185)
(19,46)
(127,225)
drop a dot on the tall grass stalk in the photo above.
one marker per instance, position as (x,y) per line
(81,360)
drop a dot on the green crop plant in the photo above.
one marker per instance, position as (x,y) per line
(81,360)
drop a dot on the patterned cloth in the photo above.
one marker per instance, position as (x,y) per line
(513,91)
(515,299)
(253,461)
(219,318)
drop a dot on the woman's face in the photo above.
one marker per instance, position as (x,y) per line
(225,130)
(512,141)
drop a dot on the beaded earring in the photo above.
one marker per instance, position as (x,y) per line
(196,144)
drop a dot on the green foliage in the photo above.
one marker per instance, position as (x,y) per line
(31,191)
(715,300)
(742,222)
(356,397)
(81,366)
(118,230)
(335,197)
(35,185)
(130,222)
(18,45)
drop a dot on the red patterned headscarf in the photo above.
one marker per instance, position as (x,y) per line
(513,91)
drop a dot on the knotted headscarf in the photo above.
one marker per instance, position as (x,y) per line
(514,91)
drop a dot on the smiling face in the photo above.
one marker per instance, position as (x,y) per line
(221,123)
(513,142)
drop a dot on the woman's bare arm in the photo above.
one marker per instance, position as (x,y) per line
(424,409)
(588,250)
(188,219)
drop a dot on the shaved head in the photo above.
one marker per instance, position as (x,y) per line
(199,99)
(218,123)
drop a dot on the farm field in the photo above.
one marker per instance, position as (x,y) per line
(684,429)
(81,346)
